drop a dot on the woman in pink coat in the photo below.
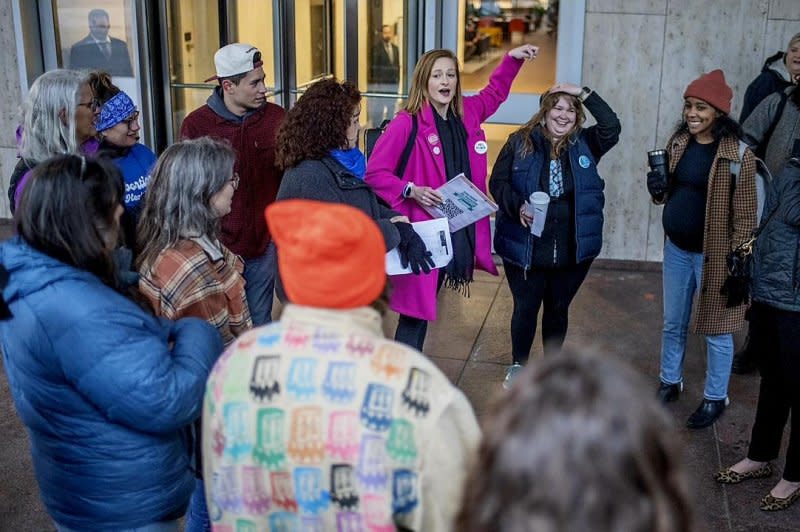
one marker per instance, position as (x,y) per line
(449,141)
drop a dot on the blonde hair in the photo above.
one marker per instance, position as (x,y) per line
(547,104)
(418,93)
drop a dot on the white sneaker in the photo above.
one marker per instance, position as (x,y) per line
(511,374)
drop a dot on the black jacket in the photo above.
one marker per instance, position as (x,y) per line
(382,70)
(776,271)
(87,54)
(327,180)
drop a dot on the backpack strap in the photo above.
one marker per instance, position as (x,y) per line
(412,137)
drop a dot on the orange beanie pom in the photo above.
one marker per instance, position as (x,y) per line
(330,255)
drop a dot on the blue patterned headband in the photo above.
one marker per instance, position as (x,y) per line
(115,110)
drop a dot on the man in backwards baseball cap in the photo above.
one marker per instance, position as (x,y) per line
(238,112)
(235,59)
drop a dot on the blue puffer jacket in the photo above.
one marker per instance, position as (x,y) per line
(102,395)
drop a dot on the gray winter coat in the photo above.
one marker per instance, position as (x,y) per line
(787,130)
(776,271)
(327,180)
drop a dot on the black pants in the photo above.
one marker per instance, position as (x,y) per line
(555,288)
(775,340)
(411,331)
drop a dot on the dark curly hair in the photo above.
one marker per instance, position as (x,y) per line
(317,123)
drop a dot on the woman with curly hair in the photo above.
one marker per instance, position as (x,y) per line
(577,445)
(447,141)
(317,149)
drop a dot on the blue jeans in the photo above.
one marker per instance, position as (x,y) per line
(259,274)
(683,273)
(197,519)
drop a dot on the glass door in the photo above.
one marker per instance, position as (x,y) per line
(368,42)
(195,30)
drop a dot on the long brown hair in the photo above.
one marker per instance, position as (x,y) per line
(578,444)
(547,104)
(418,93)
(67,211)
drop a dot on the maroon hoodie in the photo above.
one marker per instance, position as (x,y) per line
(253,136)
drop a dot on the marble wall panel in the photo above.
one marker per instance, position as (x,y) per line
(639,7)
(700,38)
(8,160)
(654,250)
(784,9)
(9,76)
(778,34)
(622,61)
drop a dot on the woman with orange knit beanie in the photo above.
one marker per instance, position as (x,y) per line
(705,216)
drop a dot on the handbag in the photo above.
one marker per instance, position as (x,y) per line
(740,263)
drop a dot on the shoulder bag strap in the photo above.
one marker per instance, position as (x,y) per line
(412,137)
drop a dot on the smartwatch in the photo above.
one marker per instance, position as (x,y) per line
(407,189)
(585,92)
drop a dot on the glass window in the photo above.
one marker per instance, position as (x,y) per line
(382,54)
(313,28)
(253,24)
(491,28)
(193,38)
(99,35)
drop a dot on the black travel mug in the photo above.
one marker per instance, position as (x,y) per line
(658,161)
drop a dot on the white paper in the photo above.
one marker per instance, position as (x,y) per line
(463,203)
(436,235)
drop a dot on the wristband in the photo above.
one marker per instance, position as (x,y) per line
(585,92)
(407,189)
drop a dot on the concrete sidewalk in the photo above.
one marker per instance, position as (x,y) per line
(616,312)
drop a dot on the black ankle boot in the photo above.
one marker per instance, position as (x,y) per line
(668,392)
(707,413)
(744,361)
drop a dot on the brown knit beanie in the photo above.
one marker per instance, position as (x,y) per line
(711,88)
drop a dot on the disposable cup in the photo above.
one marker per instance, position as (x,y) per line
(539,202)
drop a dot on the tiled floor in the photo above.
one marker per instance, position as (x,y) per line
(616,312)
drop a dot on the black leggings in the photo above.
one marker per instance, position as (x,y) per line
(775,344)
(555,288)
(411,331)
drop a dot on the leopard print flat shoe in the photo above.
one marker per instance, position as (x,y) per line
(729,476)
(774,504)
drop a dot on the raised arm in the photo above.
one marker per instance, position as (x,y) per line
(488,99)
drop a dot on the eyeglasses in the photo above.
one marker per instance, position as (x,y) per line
(92,104)
(131,119)
(234,181)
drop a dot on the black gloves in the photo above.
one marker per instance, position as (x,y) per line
(656,184)
(412,249)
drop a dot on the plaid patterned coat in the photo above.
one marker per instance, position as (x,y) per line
(729,222)
(195,278)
